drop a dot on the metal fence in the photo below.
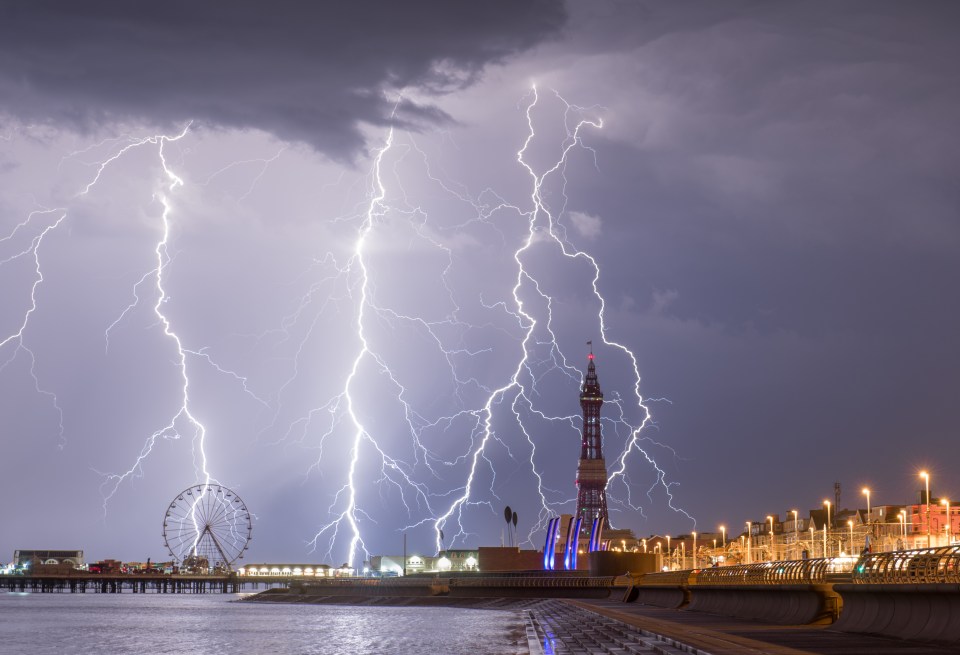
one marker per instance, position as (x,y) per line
(564,582)
(923,566)
(538,582)
(671,578)
(806,571)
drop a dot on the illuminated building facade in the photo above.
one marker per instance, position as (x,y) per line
(292,570)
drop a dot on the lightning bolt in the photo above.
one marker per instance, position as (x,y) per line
(15,341)
(542,218)
(446,464)
(183,419)
(517,394)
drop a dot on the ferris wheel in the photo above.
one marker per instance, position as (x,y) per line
(207,527)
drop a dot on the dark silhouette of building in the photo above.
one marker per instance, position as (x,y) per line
(592,471)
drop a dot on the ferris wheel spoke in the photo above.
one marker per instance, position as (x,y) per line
(218,514)
(216,544)
(226,536)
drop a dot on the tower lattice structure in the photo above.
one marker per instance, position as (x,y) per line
(592,471)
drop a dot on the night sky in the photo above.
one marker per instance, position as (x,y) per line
(292,246)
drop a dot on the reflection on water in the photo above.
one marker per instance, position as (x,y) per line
(209,624)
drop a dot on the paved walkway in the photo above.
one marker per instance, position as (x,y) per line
(721,635)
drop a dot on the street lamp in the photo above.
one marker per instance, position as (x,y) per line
(948,528)
(693,553)
(669,554)
(723,537)
(749,558)
(866,492)
(825,525)
(903,522)
(811,539)
(770,518)
(850,523)
(926,480)
(796,529)
(644,545)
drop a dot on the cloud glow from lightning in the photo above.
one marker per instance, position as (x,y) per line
(385,453)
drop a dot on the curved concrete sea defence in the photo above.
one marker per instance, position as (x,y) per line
(660,596)
(927,612)
(781,604)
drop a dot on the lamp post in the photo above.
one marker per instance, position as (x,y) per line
(723,537)
(903,522)
(866,492)
(926,480)
(948,528)
(693,552)
(811,538)
(669,554)
(796,530)
(644,545)
(850,523)
(772,547)
(749,558)
(825,527)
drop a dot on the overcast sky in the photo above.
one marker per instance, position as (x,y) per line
(341,260)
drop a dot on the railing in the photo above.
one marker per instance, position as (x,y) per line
(672,578)
(566,582)
(375,582)
(924,566)
(806,571)
(535,582)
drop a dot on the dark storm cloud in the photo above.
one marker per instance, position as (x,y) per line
(786,172)
(310,72)
(769,134)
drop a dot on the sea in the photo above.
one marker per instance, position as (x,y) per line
(216,624)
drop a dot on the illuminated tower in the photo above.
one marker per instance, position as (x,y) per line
(592,471)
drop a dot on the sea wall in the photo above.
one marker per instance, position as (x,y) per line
(923,612)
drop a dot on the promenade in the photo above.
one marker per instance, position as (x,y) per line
(723,635)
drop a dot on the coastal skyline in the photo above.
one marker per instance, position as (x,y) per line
(299,248)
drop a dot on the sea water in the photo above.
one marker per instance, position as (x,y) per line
(214,624)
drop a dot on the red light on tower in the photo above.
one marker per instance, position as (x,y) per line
(590,356)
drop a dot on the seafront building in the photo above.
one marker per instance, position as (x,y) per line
(292,570)
(33,558)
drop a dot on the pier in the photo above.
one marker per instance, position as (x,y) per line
(161,583)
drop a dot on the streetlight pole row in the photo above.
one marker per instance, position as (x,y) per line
(827,526)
